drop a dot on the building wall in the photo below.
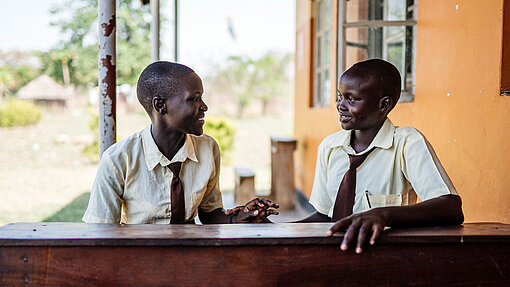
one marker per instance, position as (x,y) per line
(458,104)
(505,58)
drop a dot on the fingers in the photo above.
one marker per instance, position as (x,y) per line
(376,233)
(359,227)
(256,210)
(362,236)
(256,216)
(269,203)
(359,230)
(234,210)
(353,228)
(339,226)
(271,212)
(252,204)
(264,213)
(261,203)
(363,233)
(350,234)
(246,216)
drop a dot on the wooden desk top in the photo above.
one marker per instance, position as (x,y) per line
(82,234)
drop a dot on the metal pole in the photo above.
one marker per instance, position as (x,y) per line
(176,29)
(107,74)
(155,30)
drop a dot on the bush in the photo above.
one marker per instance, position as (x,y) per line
(220,129)
(19,113)
(92,150)
(223,132)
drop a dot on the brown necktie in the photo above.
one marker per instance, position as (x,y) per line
(347,190)
(177,195)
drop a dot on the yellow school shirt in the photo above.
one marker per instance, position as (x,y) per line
(132,184)
(402,166)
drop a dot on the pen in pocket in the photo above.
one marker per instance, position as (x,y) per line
(368,199)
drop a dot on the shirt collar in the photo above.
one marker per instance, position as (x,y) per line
(383,139)
(153,156)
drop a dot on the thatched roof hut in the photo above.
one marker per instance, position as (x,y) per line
(44,90)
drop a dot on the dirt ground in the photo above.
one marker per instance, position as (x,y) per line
(44,176)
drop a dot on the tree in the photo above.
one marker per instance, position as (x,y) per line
(77,21)
(237,80)
(247,79)
(272,72)
(16,70)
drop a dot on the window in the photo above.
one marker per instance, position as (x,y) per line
(383,29)
(322,32)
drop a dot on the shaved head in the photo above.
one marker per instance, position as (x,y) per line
(160,79)
(380,74)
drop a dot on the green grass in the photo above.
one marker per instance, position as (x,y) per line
(72,212)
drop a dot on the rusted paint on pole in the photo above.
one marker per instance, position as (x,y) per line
(107,74)
(155,30)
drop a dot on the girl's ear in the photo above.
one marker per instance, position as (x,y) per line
(385,104)
(159,105)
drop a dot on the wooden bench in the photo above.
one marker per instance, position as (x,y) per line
(293,254)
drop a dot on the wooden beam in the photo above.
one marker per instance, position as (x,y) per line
(282,171)
(78,254)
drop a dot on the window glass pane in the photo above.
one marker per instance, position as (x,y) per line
(319,52)
(356,44)
(322,52)
(325,88)
(394,34)
(392,43)
(395,10)
(325,48)
(356,10)
(393,46)
(324,16)
(388,10)
(318,83)
(408,74)
(319,12)
(353,55)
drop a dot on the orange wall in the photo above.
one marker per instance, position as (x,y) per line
(505,66)
(310,124)
(457,105)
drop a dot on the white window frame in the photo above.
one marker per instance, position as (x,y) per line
(342,25)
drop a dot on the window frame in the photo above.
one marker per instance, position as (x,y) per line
(342,25)
(319,69)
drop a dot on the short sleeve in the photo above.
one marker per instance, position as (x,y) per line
(212,198)
(105,201)
(320,198)
(423,169)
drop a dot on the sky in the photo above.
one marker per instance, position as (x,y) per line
(259,26)
(24,25)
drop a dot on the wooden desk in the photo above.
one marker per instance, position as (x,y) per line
(65,254)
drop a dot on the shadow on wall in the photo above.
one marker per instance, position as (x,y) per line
(73,212)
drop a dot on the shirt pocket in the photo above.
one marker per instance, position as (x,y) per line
(381,200)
